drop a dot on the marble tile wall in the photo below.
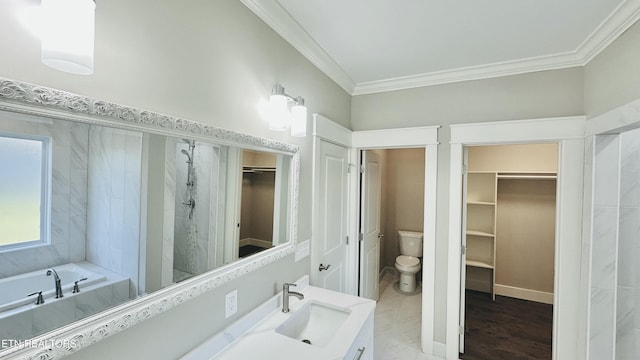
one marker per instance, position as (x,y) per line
(113,211)
(192,236)
(604,247)
(69,144)
(614,321)
(628,280)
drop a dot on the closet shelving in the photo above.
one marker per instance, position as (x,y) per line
(481,222)
(481,216)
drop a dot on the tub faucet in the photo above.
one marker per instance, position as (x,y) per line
(57,281)
(285,296)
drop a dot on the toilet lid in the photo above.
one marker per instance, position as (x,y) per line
(406,260)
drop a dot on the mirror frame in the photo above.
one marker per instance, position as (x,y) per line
(29,99)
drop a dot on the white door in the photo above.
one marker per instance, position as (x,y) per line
(328,264)
(370,225)
(463,261)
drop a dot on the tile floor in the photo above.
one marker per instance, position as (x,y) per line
(397,323)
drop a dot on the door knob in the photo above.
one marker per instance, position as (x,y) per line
(322,267)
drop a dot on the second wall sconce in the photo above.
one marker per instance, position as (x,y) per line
(281,117)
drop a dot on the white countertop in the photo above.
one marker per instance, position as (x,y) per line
(254,335)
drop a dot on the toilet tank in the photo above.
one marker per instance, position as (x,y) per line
(410,243)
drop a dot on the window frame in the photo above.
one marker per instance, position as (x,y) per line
(45,192)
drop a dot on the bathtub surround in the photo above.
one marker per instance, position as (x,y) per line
(102,290)
(69,142)
(113,215)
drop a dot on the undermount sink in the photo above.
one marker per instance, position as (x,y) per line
(314,323)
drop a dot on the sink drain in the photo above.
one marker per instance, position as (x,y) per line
(307,341)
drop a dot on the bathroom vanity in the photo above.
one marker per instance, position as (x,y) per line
(323,325)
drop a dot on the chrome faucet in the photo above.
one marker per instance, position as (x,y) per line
(57,281)
(285,296)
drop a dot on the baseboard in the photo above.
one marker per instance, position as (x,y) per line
(255,242)
(388,269)
(478,285)
(524,294)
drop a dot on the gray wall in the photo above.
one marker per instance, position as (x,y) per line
(611,78)
(535,95)
(207,61)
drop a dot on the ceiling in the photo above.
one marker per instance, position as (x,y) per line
(371,46)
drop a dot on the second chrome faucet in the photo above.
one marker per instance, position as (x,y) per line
(56,278)
(285,296)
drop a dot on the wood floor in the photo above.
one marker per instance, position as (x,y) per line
(506,329)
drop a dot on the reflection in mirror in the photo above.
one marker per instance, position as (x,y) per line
(127,213)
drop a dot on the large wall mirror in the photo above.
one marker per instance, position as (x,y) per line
(107,207)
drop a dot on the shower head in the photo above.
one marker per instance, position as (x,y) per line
(186,153)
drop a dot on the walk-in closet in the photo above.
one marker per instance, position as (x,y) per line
(510,218)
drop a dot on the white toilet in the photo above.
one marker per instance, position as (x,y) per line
(408,263)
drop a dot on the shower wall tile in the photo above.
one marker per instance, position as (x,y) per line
(68,197)
(606,181)
(113,215)
(603,266)
(630,169)
(624,323)
(629,233)
(601,330)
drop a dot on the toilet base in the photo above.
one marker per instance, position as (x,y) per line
(407,282)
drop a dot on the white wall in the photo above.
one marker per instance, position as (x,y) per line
(611,78)
(206,61)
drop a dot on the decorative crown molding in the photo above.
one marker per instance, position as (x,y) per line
(282,23)
(24,98)
(620,19)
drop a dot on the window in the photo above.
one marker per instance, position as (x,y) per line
(24,184)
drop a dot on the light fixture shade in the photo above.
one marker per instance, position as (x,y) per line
(299,120)
(279,117)
(68,35)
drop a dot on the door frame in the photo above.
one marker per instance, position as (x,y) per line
(325,129)
(417,137)
(568,132)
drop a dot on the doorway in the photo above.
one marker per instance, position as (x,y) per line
(392,190)
(568,132)
(507,278)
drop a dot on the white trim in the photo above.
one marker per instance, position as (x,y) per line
(282,23)
(397,138)
(427,138)
(330,131)
(567,284)
(616,23)
(514,131)
(615,121)
(479,72)
(524,294)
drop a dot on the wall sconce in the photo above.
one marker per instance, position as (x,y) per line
(280,118)
(68,35)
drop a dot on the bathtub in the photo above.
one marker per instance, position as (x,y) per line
(14,289)
(21,318)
